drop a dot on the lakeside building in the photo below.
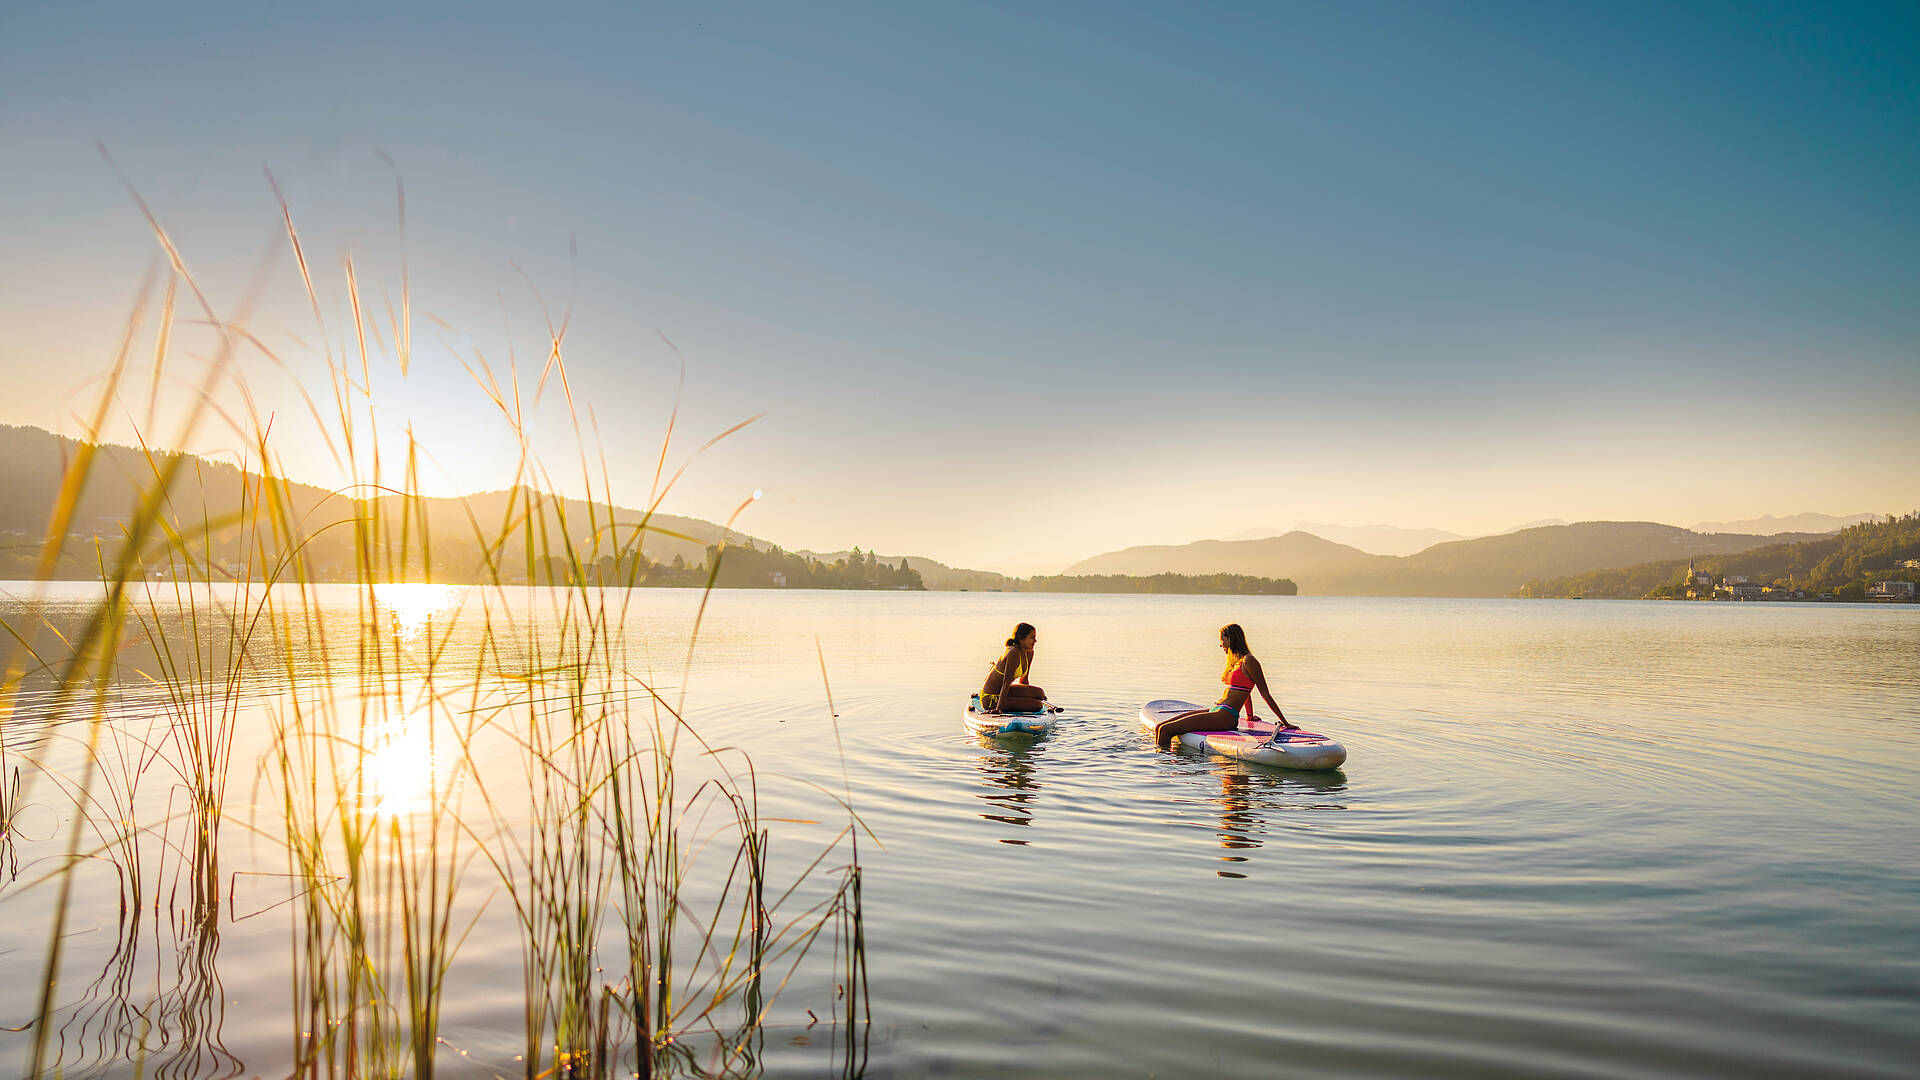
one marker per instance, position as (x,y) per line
(1698,582)
(1891,590)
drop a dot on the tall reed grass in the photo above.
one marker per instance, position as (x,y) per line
(559,787)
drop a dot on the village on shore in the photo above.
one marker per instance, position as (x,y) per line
(1701,585)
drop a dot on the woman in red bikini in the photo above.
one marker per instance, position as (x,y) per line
(1006,689)
(1242,676)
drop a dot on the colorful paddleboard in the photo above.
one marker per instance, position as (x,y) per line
(1253,741)
(993,725)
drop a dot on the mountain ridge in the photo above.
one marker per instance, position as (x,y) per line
(1380,539)
(1483,566)
(1303,551)
(33,460)
(1767,524)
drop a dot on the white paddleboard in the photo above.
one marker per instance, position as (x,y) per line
(1253,741)
(993,725)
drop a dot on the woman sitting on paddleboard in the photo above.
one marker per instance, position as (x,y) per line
(1242,676)
(1006,689)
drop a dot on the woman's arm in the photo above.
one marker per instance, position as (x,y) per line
(1259,677)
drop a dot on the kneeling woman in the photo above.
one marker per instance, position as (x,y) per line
(1242,676)
(1006,689)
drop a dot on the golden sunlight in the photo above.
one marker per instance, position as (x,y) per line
(412,607)
(399,768)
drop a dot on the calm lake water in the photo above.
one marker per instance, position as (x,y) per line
(1578,839)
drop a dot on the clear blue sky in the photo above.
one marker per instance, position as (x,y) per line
(1131,273)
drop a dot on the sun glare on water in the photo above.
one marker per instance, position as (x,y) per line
(399,770)
(412,607)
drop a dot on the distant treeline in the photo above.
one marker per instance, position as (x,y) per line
(1842,564)
(741,566)
(744,566)
(1224,584)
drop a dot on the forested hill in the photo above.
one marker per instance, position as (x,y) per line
(33,463)
(1500,565)
(1486,566)
(1841,563)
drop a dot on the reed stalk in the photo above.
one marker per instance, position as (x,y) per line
(628,851)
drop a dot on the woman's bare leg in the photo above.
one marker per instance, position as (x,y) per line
(1173,727)
(1022,698)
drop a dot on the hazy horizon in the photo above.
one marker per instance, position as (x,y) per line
(1014,286)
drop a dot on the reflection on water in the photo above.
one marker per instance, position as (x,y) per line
(353,840)
(1253,796)
(399,767)
(1572,839)
(157,997)
(1239,822)
(411,607)
(1008,771)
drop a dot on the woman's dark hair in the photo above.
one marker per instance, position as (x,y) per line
(1235,639)
(1019,632)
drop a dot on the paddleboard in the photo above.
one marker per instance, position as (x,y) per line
(993,725)
(1253,741)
